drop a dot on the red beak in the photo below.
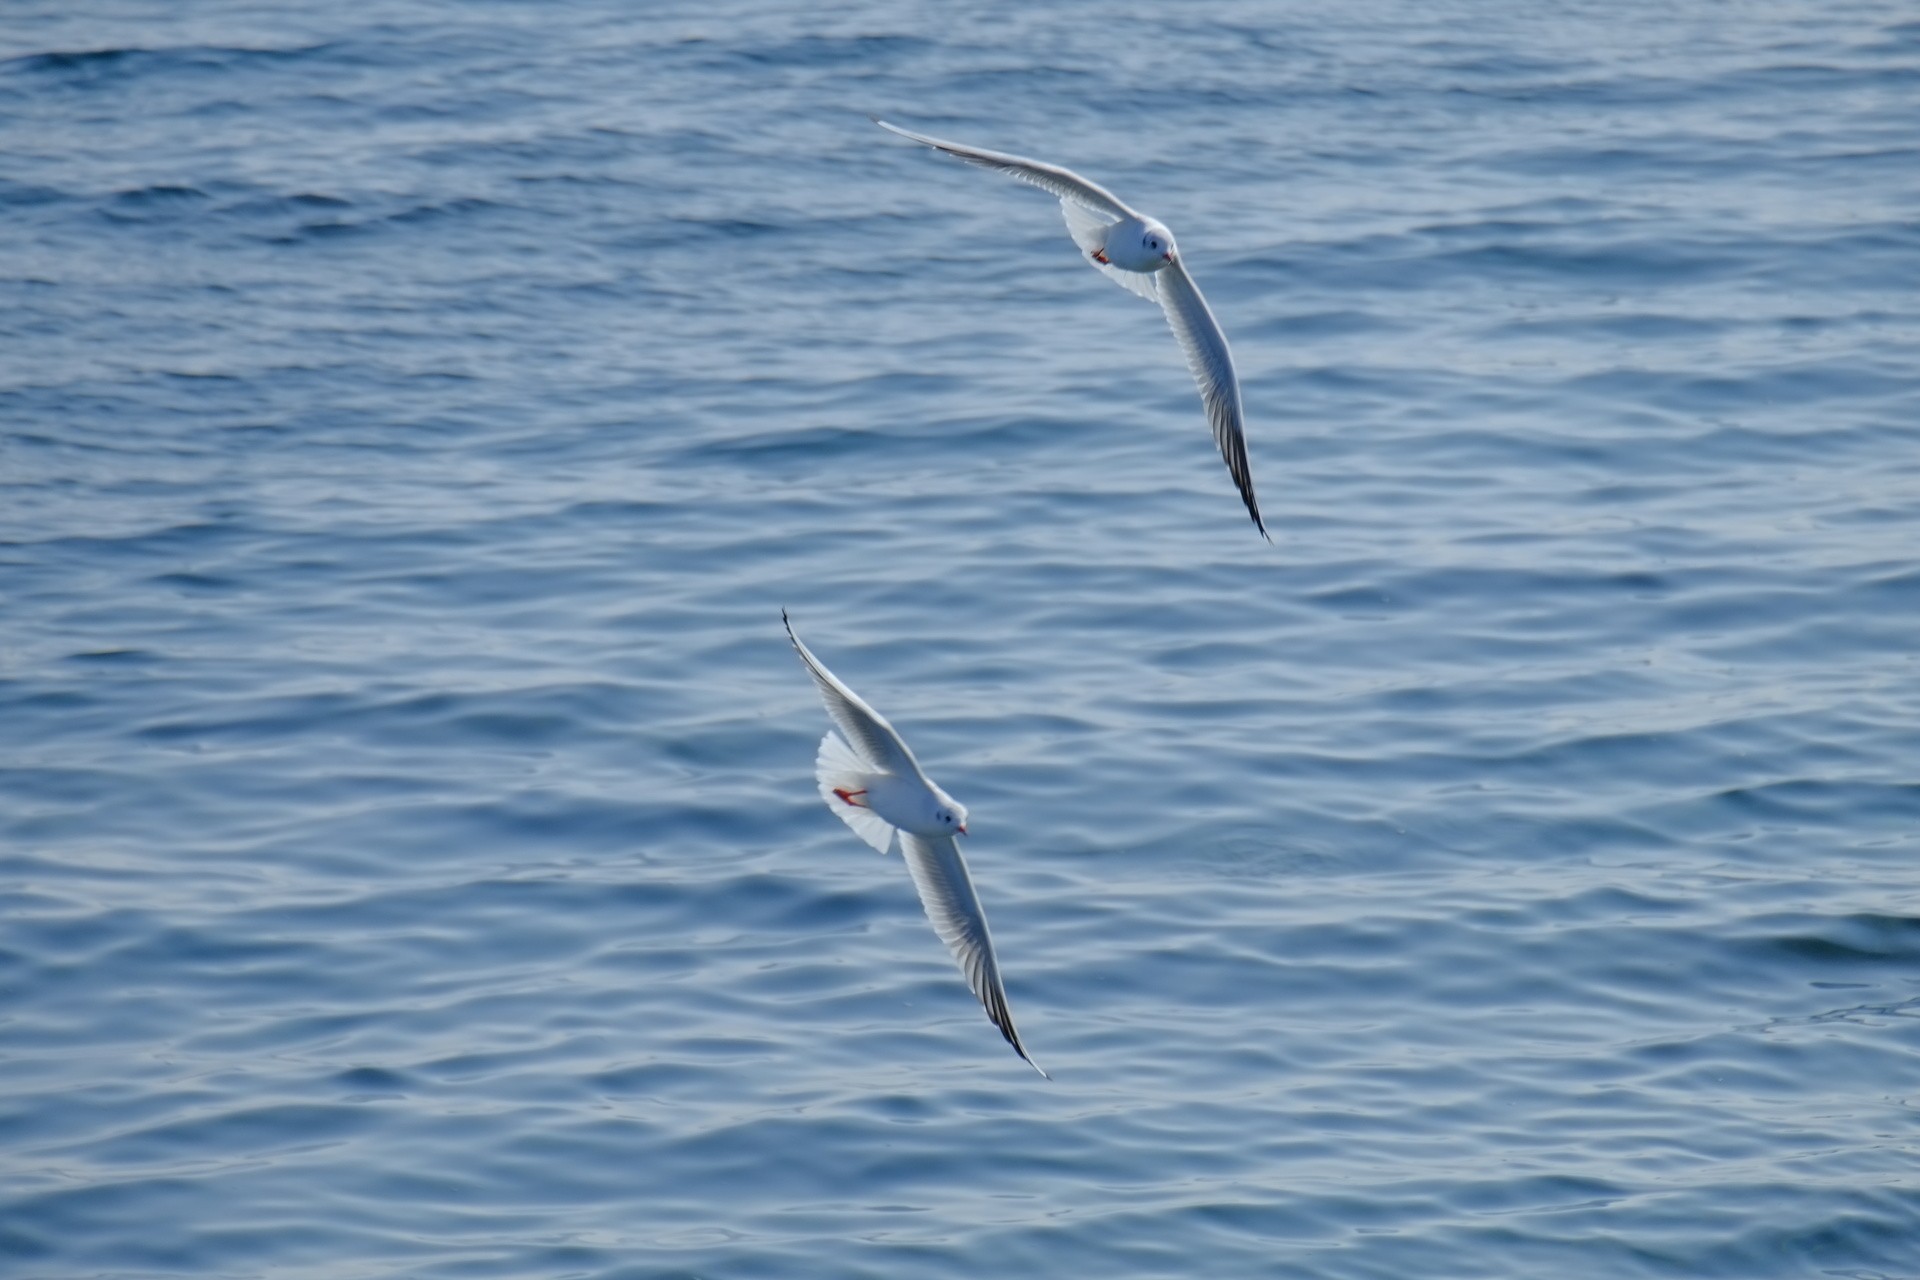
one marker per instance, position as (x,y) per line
(963,831)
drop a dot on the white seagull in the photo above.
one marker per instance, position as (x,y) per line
(877,787)
(1138,252)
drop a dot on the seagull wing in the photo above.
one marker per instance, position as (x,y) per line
(872,737)
(1212,364)
(946,891)
(1064,183)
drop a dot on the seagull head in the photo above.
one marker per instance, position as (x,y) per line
(949,815)
(1156,245)
(1140,245)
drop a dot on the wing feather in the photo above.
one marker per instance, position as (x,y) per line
(1064,183)
(867,730)
(946,891)
(1212,363)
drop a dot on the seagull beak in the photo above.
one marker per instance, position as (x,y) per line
(1166,257)
(963,831)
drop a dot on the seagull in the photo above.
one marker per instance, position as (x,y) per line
(877,788)
(1138,253)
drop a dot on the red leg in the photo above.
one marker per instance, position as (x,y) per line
(848,796)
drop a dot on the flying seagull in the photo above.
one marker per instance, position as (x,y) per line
(878,788)
(1138,253)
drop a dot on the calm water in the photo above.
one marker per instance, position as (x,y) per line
(414,422)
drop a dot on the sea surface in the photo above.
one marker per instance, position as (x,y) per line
(414,416)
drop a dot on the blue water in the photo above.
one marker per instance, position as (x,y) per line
(414,416)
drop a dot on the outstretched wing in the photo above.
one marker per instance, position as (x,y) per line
(1064,183)
(946,891)
(872,737)
(1212,364)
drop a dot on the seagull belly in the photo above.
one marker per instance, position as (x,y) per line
(904,802)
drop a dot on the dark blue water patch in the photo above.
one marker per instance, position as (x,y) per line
(738,228)
(1011,80)
(304,204)
(1747,817)
(321,220)
(1477,59)
(196,583)
(19,1242)
(586,160)
(1511,229)
(22,195)
(1898,589)
(252,1131)
(1627,92)
(1804,385)
(1651,261)
(461,209)
(161,200)
(67,60)
(1817,804)
(1315,325)
(167,540)
(1846,258)
(1783,79)
(1646,327)
(73,936)
(817,51)
(93,65)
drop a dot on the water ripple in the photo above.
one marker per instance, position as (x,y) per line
(418,418)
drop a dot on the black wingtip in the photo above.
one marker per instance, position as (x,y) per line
(1013,1038)
(1258,523)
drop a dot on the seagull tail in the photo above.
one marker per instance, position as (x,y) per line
(844,778)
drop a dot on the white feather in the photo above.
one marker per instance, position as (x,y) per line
(880,747)
(1064,183)
(1091,211)
(934,861)
(946,891)
(837,768)
(1089,231)
(1212,364)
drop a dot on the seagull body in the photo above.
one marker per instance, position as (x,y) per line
(872,781)
(1138,253)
